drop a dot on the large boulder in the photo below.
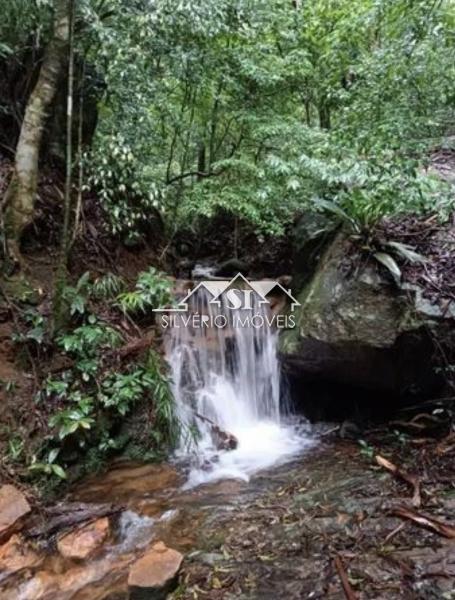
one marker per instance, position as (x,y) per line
(154,575)
(13,508)
(357,327)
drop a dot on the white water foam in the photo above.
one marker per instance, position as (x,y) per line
(229,377)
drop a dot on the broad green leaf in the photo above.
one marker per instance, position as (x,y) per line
(389,263)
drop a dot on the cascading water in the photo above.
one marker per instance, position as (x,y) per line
(226,380)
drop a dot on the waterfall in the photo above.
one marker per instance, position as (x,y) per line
(226,374)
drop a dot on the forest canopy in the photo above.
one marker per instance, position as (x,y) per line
(260,109)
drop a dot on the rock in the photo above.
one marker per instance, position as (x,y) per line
(155,574)
(311,235)
(13,507)
(54,584)
(356,327)
(84,541)
(230,268)
(16,554)
(349,431)
(223,439)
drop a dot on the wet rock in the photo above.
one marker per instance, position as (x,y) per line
(154,575)
(357,328)
(42,585)
(223,439)
(13,507)
(56,585)
(16,554)
(127,482)
(230,268)
(349,431)
(84,541)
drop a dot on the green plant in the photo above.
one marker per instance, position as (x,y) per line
(77,418)
(152,290)
(35,325)
(15,448)
(91,401)
(9,386)
(167,424)
(265,109)
(401,437)
(121,390)
(87,339)
(48,466)
(366,449)
(75,297)
(107,287)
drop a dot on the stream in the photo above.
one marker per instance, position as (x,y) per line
(263,517)
(274,536)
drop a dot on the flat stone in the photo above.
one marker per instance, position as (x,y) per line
(155,574)
(13,506)
(16,554)
(83,542)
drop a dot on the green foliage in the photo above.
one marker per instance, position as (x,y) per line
(88,402)
(366,450)
(75,419)
(15,448)
(152,290)
(48,466)
(122,390)
(34,330)
(86,340)
(23,23)
(88,411)
(262,110)
(107,287)
(75,296)
(90,408)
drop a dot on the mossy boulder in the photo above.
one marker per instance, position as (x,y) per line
(355,326)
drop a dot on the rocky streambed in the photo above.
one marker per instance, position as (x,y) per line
(327,525)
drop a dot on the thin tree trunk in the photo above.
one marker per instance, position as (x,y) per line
(324,116)
(20,196)
(80,164)
(69,144)
(61,275)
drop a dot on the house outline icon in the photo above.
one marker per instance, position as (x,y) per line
(217,287)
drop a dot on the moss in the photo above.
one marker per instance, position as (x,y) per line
(20,289)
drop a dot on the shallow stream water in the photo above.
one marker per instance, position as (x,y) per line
(274,536)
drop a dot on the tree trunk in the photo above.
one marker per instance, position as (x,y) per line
(61,275)
(20,196)
(324,116)
(69,143)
